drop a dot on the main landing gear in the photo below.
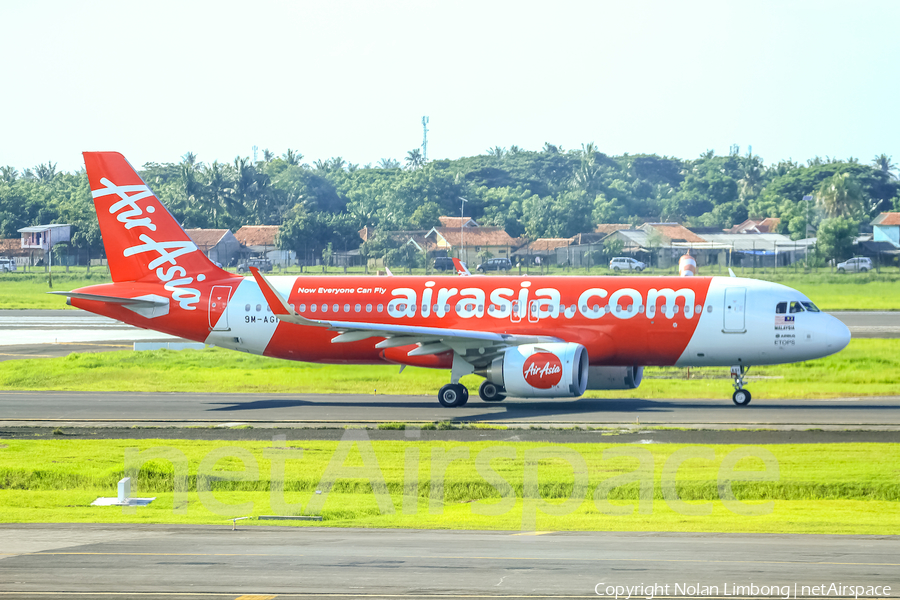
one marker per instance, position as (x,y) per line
(453,394)
(741,397)
(491,392)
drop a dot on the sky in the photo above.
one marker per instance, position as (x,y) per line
(154,80)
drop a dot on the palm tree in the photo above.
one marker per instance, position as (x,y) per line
(8,174)
(839,196)
(496,152)
(190,159)
(551,148)
(883,163)
(292,158)
(388,163)
(751,182)
(587,176)
(45,173)
(414,159)
(268,155)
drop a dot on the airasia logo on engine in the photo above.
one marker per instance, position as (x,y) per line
(542,370)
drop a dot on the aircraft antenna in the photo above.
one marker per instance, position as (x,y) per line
(424,139)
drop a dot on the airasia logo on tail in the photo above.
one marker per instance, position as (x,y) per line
(542,370)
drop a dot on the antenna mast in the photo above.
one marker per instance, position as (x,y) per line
(424,139)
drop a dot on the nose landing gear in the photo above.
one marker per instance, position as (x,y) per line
(741,397)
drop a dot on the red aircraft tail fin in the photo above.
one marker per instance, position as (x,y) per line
(461,268)
(143,240)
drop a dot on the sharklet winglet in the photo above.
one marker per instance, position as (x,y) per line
(277,303)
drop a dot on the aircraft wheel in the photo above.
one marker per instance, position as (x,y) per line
(453,394)
(741,398)
(491,392)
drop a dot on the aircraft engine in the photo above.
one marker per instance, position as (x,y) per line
(614,378)
(556,370)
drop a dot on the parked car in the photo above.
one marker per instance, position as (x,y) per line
(625,263)
(443,263)
(263,264)
(860,264)
(494,264)
(7,265)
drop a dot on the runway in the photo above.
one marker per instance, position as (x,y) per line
(121,561)
(184,409)
(54,333)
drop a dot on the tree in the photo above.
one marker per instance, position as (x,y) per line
(190,159)
(292,158)
(414,159)
(839,196)
(613,247)
(327,254)
(45,173)
(268,155)
(388,163)
(883,163)
(587,177)
(8,174)
(835,238)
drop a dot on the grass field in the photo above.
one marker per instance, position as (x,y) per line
(811,488)
(869,291)
(867,367)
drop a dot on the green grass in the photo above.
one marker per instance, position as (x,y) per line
(867,367)
(820,488)
(830,291)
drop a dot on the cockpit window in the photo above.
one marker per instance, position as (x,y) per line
(781,308)
(796,307)
(811,307)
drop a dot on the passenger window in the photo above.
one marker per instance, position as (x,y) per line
(781,308)
(796,307)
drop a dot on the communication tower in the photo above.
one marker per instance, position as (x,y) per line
(424,139)
(255,149)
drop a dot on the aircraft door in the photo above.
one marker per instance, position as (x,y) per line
(218,303)
(735,304)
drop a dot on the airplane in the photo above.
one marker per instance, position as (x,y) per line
(527,336)
(461,269)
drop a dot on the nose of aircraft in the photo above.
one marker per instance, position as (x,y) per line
(837,335)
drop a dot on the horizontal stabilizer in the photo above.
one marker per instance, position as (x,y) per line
(141,301)
(148,306)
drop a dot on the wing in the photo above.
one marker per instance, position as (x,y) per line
(478,348)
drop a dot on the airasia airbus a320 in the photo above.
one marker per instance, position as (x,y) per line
(549,337)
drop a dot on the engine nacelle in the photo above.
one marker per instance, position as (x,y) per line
(555,370)
(614,378)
